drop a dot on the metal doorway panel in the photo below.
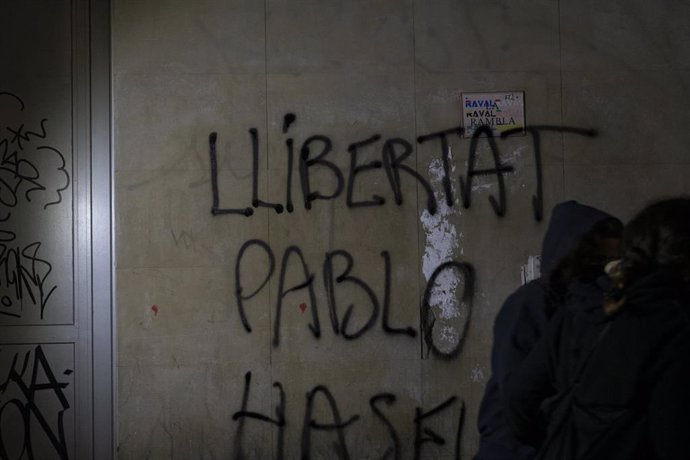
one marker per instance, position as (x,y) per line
(56,321)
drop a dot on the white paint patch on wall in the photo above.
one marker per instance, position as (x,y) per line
(477,374)
(531,270)
(442,239)
(449,335)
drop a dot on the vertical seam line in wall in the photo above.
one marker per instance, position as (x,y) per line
(414,115)
(560,77)
(266,77)
(268,214)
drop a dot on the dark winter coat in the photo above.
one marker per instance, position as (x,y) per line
(519,324)
(598,387)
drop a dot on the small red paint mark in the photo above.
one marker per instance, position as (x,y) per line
(154,309)
(303,306)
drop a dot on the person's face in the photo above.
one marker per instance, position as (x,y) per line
(609,249)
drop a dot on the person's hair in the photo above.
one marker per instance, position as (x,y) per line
(585,262)
(658,238)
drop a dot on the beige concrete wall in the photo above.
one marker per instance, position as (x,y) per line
(349,70)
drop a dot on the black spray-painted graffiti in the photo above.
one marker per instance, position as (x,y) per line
(23,395)
(27,167)
(338,426)
(23,277)
(341,324)
(24,166)
(394,154)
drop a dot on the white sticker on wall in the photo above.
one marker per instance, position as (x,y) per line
(499,111)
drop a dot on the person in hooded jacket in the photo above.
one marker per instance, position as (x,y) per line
(575,248)
(612,380)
